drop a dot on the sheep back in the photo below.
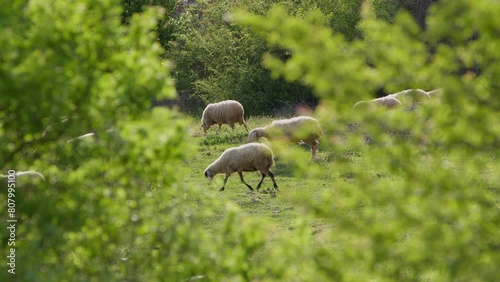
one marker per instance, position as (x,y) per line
(411,96)
(436,93)
(389,102)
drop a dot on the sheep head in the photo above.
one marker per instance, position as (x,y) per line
(205,125)
(209,174)
(255,134)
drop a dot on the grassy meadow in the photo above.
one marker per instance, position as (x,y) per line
(347,193)
(260,205)
(297,176)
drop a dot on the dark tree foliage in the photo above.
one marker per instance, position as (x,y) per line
(166,26)
(214,60)
(418,9)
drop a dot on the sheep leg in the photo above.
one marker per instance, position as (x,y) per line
(225,180)
(274,182)
(262,179)
(314,148)
(245,125)
(241,177)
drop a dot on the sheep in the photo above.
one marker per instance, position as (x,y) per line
(303,129)
(389,102)
(411,98)
(435,93)
(225,112)
(247,157)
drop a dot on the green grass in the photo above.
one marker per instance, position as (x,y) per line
(347,186)
(293,180)
(344,179)
(211,146)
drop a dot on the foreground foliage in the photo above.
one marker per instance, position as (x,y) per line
(439,222)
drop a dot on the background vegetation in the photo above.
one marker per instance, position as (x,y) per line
(420,202)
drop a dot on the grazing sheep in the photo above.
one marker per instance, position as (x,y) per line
(225,112)
(248,157)
(298,129)
(389,102)
(435,93)
(411,98)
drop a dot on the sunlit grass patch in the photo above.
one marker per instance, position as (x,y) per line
(224,137)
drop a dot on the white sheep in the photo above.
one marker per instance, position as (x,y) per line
(225,112)
(435,93)
(389,102)
(411,98)
(247,157)
(302,129)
